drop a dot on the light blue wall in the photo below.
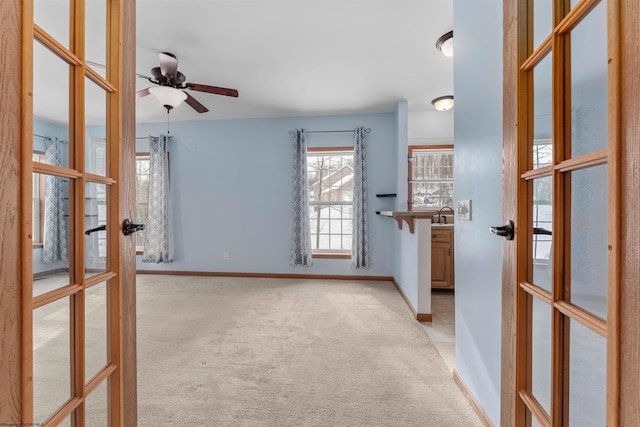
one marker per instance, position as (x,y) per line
(401,151)
(478,175)
(406,254)
(231,192)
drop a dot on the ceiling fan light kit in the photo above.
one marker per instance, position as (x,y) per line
(443,103)
(168,96)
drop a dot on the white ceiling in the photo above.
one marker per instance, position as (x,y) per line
(292,57)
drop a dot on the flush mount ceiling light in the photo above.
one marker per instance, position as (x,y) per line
(445,44)
(168,96)
(443,103)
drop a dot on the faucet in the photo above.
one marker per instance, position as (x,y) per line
(440,213)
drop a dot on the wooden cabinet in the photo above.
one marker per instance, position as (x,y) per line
(442,258)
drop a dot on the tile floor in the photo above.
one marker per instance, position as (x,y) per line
(441,330)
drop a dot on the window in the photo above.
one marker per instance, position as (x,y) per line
(142,196)
(430,177)
(37,222)
(330,180)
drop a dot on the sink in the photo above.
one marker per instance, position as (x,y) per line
(441,225)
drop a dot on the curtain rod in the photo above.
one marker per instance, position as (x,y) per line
(367,130)
(45,137)
(147,137)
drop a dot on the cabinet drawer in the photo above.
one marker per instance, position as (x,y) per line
(440,235)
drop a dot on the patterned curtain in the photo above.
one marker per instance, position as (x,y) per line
(300,225)
(157,245)
(360,243)
(55,245)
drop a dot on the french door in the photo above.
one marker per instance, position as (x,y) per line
(566,290)
(72,290)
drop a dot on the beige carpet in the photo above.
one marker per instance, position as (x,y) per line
(216,351)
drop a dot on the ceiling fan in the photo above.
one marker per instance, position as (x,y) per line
(171,84)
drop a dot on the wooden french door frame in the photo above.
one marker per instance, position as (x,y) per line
(623,332)
(15,176)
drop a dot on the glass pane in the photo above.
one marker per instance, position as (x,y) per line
(51,358)
(95,329)
(542,153)
(50,106)
(330,176)
(589,239)
(96,414)
(587,377)
(434,195)
(534,422)
(331,226)
(37,205)
(589,83)
(541,353)
(66,422)
(95,119)
(432,165)
(336,242)
(542,21)
(51,259)
(96,40)
(95,249)
(54,16)
(542,121)
(542,227)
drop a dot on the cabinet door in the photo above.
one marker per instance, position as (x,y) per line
(441,265)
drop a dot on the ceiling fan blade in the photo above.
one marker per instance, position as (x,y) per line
(99,65)
(168,64)
(195,104)
(212,89)
(94,64)
(141,93)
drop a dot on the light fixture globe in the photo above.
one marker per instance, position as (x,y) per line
(443,103)
(168,96)
(445,44)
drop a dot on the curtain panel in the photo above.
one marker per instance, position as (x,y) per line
(300,224)
(360,241)
(157,245)
(55,244)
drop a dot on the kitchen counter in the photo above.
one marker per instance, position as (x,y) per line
(409,216)
(441,225)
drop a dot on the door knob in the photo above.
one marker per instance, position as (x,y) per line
(507,231)
(128,227)
(93,230)
(538,230)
